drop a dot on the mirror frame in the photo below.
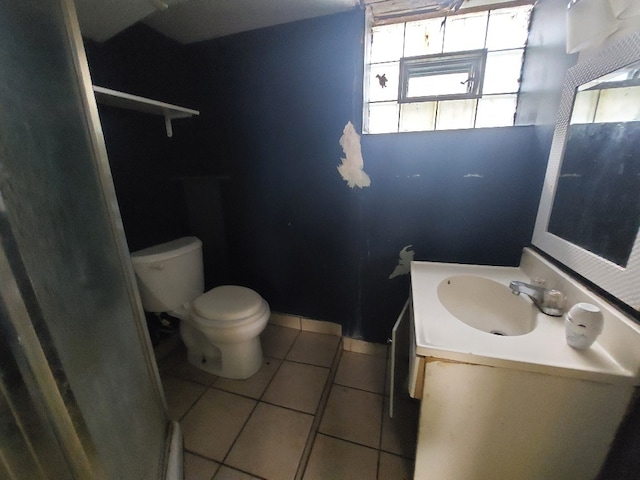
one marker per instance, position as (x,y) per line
(621,282)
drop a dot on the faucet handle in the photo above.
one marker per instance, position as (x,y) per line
(539,282)
(554,299)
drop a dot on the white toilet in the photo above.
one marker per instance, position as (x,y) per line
(220,328)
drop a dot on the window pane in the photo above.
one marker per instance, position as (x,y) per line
(424,37)
(455,114)
(619,105)
(442,75)
(465,32)
(383,117)
(584,106)
(443,84)
(508,27)
(496,111)
(384,74)
(387,41)
(417,117)
(502,74)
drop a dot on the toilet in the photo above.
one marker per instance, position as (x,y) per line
(220,328)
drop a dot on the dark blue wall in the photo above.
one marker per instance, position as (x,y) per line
(456,196)
(144,161)
(274,103)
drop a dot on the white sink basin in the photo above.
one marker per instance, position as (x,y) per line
(487,305)
(454,306)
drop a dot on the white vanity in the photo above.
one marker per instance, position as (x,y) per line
(514,406)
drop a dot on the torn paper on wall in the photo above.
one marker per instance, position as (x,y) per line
(353,163)
(404,262)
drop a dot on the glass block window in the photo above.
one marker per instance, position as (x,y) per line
(451,72)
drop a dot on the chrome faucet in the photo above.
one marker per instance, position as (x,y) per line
(548,301)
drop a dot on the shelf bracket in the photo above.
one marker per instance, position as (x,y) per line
(167,125)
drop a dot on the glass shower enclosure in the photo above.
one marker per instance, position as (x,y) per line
(80,396)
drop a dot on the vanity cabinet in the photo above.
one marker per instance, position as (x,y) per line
(526,407)
(479,422)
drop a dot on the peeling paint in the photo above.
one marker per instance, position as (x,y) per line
(353,163)
(473,175)
(404,262)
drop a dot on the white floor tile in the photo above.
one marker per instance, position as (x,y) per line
(272,442)
(213,423)
(335,459)
(198,468)
(314,348)
(353,415)
(298,386)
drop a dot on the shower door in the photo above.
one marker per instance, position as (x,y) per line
(80,396)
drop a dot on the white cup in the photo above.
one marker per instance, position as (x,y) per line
(583,324)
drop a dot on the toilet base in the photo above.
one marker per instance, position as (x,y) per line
(231,360)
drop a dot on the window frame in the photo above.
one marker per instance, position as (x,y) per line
(471,61)
(403,101)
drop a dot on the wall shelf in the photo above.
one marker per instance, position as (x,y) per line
(114,98)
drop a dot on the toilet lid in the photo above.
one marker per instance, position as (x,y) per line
(228,302)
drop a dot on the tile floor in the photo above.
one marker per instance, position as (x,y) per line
(311,412)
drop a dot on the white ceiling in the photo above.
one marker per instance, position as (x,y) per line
(188,21)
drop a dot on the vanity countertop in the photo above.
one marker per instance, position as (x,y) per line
(440,335)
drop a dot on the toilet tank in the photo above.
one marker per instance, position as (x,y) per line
(169,274)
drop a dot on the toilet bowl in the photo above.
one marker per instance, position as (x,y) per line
(221,331)
(220,328)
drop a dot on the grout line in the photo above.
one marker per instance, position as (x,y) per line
(282,360)
(382,414)
(192,404)
(196,454)
(384,389)
(252,475)
(259,399)
(311,414)
(360,389)
(352,442)
(292,343)
(317,418)
(235,440)
(300,362)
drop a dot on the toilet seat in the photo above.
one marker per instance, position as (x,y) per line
(227,305)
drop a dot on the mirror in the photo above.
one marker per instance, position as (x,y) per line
(589,215)
(597,202)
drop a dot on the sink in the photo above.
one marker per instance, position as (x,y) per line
(487,305)
(457,365)
(457,307)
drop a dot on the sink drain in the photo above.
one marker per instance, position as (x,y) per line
(497,332)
